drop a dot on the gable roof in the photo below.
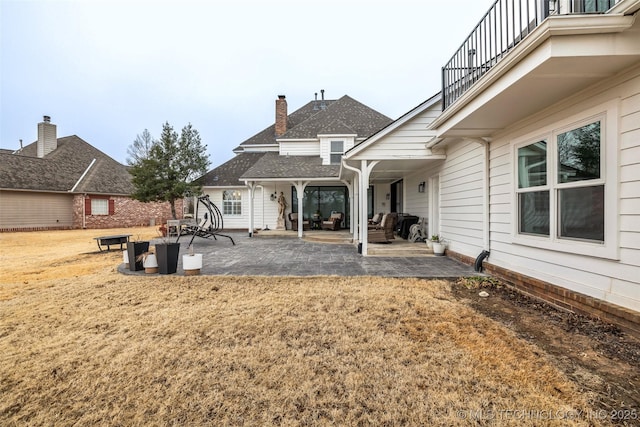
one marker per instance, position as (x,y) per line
(62,169)
(345,114)
(341,116)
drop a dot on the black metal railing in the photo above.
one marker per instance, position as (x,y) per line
(505,25)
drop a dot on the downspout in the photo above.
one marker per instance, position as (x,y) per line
(485,204)
(355,215)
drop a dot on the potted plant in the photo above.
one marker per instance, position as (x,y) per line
(134,250)
(149,262)
(439,245)
(191,263)
(167,254)
(434,238)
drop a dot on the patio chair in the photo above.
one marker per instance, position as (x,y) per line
(293,217)
(376,219)
(334,222)
(383,232)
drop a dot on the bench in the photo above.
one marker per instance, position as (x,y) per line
(107,241)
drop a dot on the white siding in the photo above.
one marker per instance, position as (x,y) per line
(613,280)
(300,148)
(461,198)
(265,210)
(416,203)
(411,136)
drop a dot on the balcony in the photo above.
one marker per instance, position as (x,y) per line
(503,27)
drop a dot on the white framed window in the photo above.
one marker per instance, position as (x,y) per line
(99,206)
(232,202)
(565,187)
(336,152)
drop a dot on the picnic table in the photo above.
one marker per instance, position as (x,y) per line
(112,240)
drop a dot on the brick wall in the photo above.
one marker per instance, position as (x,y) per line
(622,317)
(126,213)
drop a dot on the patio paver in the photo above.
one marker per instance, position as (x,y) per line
(291,256)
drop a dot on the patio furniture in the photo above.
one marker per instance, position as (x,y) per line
(376,219)
(293,217)
(119,239)
(210,225)
(334,222)
(383,232)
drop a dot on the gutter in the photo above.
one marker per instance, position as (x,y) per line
(359,174)
(82,176)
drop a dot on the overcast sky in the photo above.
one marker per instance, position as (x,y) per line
(106,70)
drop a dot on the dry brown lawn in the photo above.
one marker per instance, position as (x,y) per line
(81,344)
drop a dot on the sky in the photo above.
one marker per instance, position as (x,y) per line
(107,70)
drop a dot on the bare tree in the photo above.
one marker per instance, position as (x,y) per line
(141,148)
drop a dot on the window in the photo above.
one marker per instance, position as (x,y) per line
(337,149)
(561,189)
(533,193)
(580,202)
(232,202)
(99,206)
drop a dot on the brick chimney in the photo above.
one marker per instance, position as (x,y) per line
(47,137)
(281,115)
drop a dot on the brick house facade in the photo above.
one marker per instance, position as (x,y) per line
(123,212)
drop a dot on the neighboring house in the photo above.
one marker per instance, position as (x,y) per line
(535,156)
(65,183)
(299,156)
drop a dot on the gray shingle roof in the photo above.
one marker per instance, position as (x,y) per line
(345,113)
(268,135)
(273,165)
(344,116)
(228,174)
(61,169)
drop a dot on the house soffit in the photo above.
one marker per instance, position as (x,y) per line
(564,55)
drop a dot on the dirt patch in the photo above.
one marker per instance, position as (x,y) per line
(599,357)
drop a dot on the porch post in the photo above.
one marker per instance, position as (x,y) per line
(366,169)
(364,183)
(252,186)
(300,186)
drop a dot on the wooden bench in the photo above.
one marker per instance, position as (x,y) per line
(107,241)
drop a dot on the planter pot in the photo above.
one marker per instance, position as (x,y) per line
(150,263)
(429,243)
(167,254)
(134,250)
(125,258)
(438,248)
(192,264)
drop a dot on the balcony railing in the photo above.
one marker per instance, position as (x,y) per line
(505,25)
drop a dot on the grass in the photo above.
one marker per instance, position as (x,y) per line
(81,344)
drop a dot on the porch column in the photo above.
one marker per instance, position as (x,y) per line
(251,185)
(300,186)
(366,169)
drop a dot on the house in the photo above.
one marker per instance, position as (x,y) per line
(299,156)
(531,152)
(65,183)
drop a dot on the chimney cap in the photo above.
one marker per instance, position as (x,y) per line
(46,119)
(281,97)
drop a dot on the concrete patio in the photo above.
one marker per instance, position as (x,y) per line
(284,254)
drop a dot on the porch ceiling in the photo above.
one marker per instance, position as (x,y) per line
(388,171)
(538,76)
